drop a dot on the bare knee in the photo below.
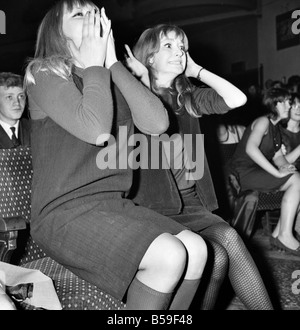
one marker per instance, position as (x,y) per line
(166,256)
(197,253)
(294,182)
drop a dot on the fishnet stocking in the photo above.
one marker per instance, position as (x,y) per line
(213,276)
(243,273)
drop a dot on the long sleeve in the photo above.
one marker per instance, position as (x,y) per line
(208,101)
(86,116)
(148,112)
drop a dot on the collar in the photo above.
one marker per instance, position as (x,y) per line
(7,127)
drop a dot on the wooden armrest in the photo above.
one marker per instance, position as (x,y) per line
(9,228)
(12,223)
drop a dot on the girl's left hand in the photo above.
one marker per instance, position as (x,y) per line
(192,68)
(111,56)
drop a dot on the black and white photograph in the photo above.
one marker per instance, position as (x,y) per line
(150,158)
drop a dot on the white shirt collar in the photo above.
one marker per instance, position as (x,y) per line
(7,127)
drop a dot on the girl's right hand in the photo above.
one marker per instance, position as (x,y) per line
(92,51)
(137,68)
(286,170)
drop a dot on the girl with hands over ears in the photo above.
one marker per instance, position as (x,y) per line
(161,53)
(80,96)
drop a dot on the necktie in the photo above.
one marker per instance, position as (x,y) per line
(14,138)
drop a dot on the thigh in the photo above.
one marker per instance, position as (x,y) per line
(197,218)
(259,179)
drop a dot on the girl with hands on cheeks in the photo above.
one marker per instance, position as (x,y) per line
(80,96)
(160,59)
(91,49)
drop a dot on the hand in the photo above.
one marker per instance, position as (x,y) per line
(286,170)
(283,149)
(111,57)
(192,69)
(136,67)
(92,51)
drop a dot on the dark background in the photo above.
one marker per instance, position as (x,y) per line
(129,19)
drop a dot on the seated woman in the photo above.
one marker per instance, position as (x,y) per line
(290,132)
(162,61)
(261,165)
(80,96)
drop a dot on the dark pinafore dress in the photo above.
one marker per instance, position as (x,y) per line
(80,214)
(250,174)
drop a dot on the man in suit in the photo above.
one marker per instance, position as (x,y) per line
(14,129)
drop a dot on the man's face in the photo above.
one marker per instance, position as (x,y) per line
(12,104)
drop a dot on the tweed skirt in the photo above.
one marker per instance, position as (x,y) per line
(102,242)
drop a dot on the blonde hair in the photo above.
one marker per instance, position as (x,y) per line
(147,46)
(52,53)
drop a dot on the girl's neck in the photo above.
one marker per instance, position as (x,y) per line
(293,126)
(275,121)
(164,81)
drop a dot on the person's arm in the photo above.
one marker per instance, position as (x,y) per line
(137,68)
(222,133)
(282,162)
(293,155)
(87,116)
(232,96)
(259,128)
(148,112)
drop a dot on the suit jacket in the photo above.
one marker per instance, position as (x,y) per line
(23,134)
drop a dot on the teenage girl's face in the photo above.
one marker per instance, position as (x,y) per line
(283,108)
(295,110)
(72,23)
(170,60)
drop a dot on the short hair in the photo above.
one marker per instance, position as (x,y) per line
(9,79)
(295,98)
(272,97)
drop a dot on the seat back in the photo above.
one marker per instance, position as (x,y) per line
(15,197)
(246,205)
(15,182)
(243,205)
